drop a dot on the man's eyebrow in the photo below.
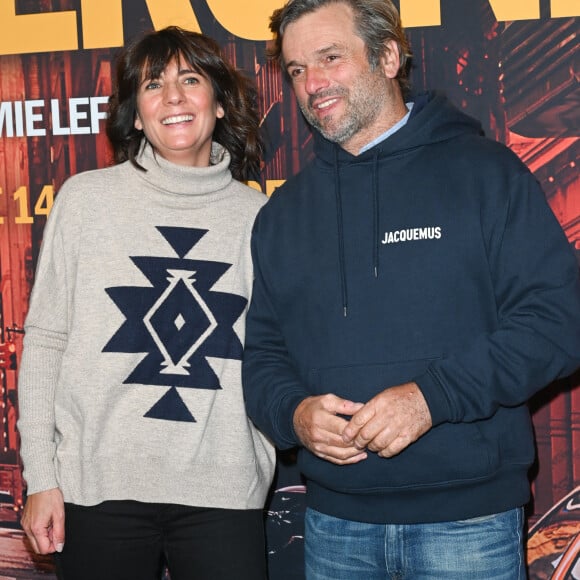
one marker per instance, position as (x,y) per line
(320,52)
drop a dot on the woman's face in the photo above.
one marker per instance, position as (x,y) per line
(177,112)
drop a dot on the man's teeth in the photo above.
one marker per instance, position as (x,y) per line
(177,119)
(326,104)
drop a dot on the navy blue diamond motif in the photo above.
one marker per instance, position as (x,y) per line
(177,322)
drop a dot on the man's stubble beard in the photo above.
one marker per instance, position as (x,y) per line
(363,105)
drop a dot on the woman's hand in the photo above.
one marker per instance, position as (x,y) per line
(43,521)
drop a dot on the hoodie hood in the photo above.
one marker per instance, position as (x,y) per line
(433,119)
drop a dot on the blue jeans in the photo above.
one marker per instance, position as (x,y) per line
(484,548)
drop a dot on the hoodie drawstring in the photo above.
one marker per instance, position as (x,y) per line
(340,227)
(376,210)
(339,224)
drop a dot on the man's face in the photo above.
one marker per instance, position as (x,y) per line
(336,89)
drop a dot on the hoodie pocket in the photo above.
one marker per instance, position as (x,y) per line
(447,453)
(362,382)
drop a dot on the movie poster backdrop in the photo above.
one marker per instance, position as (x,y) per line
(515,65)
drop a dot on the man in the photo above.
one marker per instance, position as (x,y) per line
(412,291)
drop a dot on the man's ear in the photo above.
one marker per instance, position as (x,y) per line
(390,60)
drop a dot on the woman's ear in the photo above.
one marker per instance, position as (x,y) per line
(219,112)
(137,124)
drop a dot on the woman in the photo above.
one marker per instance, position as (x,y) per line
(136,448)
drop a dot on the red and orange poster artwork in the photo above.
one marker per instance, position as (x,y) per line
(513,65)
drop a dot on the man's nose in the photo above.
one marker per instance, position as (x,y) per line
(316,79)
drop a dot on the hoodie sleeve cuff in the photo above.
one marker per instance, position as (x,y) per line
(287,436)
(435,396)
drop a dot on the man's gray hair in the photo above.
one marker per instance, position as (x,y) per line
(376,23)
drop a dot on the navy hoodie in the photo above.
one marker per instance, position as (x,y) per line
(433,257)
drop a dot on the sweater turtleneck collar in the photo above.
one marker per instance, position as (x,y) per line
(184,180)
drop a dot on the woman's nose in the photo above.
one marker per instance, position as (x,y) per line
(173,93)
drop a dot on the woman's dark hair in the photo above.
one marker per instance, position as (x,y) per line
(147,57)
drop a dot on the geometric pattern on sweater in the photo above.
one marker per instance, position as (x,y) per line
(177,322)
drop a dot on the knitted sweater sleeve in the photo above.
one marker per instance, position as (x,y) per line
(45,340)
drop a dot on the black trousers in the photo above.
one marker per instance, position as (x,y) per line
(129,540)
